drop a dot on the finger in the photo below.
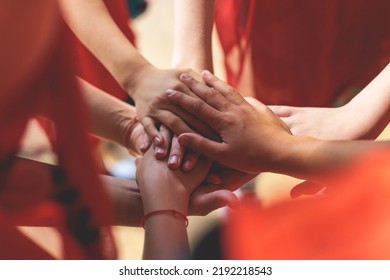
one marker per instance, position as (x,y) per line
(213,178)
(176,154)
(226,90)
(202,145)
(161,151)
(151,130)
(145,144)
(281,111)
(190,160)
(173,122)
(208,94)
(137,161)
(209,198)
(182,87)
(137,141)
(142,144)
(193,122)
(196,107)
(232,179)
(305,188)
(254,102)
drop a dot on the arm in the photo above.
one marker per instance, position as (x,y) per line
(255,140)
(124,194)
(364,117)
(92,23)
(114,119)
(192,34)
(165,189)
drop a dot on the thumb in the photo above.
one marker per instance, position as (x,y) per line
(201,145)
(138,161)
(210,198)
(305,188)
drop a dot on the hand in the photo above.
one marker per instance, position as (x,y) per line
(178,155)
(227,178)
(251,136)
(321,123)
(153,108)
(307,188)
(364,117)
(163,188)
(211,196)
(208,198)
(136,141)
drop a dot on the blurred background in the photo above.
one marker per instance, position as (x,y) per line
(154,39)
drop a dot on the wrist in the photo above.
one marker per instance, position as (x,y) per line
(195,63)
(174,197)
(171,212)
(295,156)
(127,128)
(133,73)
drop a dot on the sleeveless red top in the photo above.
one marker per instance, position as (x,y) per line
(302,52)
(68,197)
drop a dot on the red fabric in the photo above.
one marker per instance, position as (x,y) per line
(89,67)
(72,198)
(303,52)
(351,223)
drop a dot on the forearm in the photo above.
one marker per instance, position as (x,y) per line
(315,160)
(110,117)
(125,197)
(126,200)
(165,234)
(166,238)
(370,109)
(94,26)
(192,34)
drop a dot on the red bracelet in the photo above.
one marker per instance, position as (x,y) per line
(158,212)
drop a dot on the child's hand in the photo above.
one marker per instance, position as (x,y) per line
(164,188)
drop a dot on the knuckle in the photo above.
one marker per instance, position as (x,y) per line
(198,105)
(198,141)
(232,91)
(226,121)
(173,122)
(178,86)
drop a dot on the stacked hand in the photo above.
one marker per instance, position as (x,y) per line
(234,119)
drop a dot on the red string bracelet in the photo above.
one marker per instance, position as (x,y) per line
(168,211)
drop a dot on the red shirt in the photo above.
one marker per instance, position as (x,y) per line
(302,52)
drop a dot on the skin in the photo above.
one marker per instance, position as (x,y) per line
(254,139)
(125,194)
(162,188)
(364,117)
(115,120)
(145,83)
(192,34)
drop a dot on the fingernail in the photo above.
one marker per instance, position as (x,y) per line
(185,76)
(143,147)
(169,92)
(157,140)
(207,73)
(187,165)
(173,160)
(159,151)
